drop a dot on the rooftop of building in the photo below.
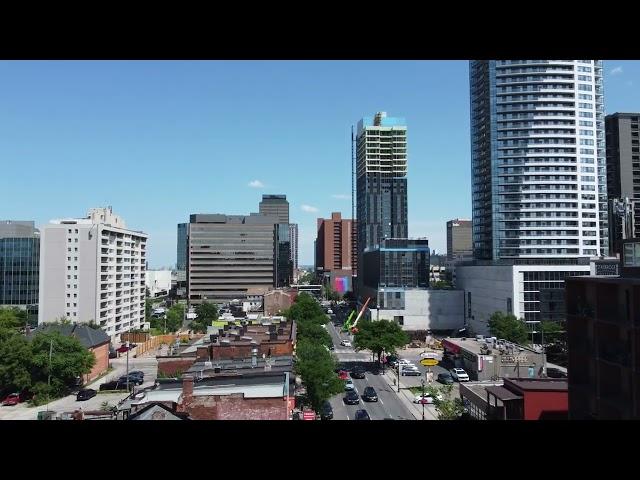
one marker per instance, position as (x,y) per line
(221,218)
(87,336)
(476,346)
(18,229)
(250,332)
(539,384)
(611,279)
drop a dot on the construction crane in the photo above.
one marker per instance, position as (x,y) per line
(348,327)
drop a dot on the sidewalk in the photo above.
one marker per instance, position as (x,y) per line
(406,397)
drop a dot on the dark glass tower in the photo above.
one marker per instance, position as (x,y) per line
(381,181)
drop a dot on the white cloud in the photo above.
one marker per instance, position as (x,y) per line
(309,208)
(616,71)
(341,196)
(256,184)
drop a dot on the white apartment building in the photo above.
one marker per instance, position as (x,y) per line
(93,268)
(538,159)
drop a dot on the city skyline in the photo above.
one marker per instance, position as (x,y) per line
(155,123)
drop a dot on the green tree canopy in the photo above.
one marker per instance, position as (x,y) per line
(448,408)
(16,361)
(379,336)
(314,333)
(553,332)
(306,308)
(69,360)
(13,318)
(175,317)
(317,367)
(207,313)
(507,326)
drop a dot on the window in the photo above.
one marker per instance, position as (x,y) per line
(585,87)
(585,123)
(69,240)
(76,240)
(76,230)
(585,105)
(68,304)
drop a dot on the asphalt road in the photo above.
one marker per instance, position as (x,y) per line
(388,404)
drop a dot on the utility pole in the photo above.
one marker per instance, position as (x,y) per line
(422,400)
(49,377)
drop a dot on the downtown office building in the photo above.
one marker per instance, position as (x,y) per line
(539,188)
(229,255)
(19,264)
(92,269)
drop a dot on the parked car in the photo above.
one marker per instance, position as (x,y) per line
(14,399)
(343,375)
(351,398)
(326,411)
(132,379)
(362,415)
(426,398)
(411,373)
(86,394)
(122,349)
(331,348)
(369,395)
(348,385)
(358,372)
(553,372)
(137,373)
(459,374)
(345,343)
(445,378)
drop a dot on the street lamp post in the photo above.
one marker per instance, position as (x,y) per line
(422,399)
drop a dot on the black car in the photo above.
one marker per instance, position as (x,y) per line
(133,379)
(445,378)
(370,395)
(137,373)
(326,411)
(351,398)
(555,373)
(86,394)
(362,415)
(358,372)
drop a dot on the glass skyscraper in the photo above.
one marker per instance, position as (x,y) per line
(381,180)
(19,264)
(538,159)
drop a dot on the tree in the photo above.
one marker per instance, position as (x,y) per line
(331,294)
(175,317)
(509,327)
(207,313)
(379,336)
(16,360)
(12,318)
(314,333)
(307,278)
(148,307)
(448,408)
(553,332)
(306,308)
(317,367)
(69,360)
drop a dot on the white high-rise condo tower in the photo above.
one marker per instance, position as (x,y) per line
(538,159)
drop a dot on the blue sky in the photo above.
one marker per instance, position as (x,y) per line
(159,140)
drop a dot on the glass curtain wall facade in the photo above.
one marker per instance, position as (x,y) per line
(397,263)
(19,270)
(381,180)
(538,159)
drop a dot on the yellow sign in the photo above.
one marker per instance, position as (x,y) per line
(429,362)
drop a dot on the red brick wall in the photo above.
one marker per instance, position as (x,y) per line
(170,366)
(244,351)
(275,302)
(234,407)
(102,362)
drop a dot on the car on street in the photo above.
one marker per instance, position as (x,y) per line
(343,375)
(459,374)
(86,394)
(358,372)
(553,372)
(351,398)
(345,343)
(132,379)
(362,415)
(326,411)
(348,384)
(411,372)
(426,398)
(445,378)
(331,348)
(370,395)
(137,373)
(431,355)
(122,349)
(330,312)
(14,399)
